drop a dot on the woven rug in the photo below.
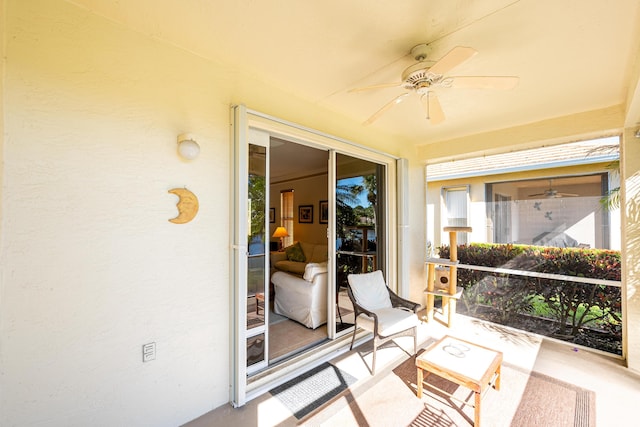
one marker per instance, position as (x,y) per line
(525,399)
(313,389)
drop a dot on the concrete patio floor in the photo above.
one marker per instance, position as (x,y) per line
(617,389)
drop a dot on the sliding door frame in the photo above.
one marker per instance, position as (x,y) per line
(245,120)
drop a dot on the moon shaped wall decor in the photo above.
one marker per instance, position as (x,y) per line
(187,205)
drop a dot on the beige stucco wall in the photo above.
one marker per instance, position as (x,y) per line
(582,126)
(91,268)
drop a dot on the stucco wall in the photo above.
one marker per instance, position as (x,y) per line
(93,269)
(91,266)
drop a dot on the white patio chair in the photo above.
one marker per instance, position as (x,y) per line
(379,310)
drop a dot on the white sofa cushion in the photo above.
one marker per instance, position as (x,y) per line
(312,268)
(301,300)
(370,290)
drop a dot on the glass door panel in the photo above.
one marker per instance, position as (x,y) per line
(360,225)
(257,291)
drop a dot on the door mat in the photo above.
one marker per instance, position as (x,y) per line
(342,326)
(311,390)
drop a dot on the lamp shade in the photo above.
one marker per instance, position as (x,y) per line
(280,232)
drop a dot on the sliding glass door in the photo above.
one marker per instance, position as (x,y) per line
(360,226)
(353,205)
(250,265)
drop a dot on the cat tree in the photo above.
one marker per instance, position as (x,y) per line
(446,288)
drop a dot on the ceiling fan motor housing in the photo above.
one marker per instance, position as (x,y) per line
(418,77)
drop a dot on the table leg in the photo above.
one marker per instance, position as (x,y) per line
(419,392)
(430,288)
(476,421)
(259,301)
(496,383)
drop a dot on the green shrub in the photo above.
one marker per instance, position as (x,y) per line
(571,304)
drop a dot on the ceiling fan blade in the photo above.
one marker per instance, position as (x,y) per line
(397,100)
(568,195)
(378,86)
(432,108)
(455,57)
(485,82)
(536,195)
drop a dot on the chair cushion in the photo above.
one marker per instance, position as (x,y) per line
(390,321)
(370,290)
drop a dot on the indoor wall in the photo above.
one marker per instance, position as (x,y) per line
(307,191)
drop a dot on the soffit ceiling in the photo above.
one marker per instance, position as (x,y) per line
(571,56)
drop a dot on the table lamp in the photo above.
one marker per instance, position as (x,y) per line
(280,232)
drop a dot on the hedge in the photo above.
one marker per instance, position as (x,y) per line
(571,304)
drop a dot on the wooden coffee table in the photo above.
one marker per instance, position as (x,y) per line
(464,363)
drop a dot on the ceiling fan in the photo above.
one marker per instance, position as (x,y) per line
(552,193)
(425,75)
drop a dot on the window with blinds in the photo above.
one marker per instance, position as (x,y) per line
(286,218)
(456,205)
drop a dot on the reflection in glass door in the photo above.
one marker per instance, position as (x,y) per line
(257,291)
(360,226)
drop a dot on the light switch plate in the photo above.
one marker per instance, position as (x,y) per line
(148,351)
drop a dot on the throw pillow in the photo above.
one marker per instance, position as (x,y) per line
(294,253)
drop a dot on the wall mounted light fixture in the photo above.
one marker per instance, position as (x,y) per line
(187,147)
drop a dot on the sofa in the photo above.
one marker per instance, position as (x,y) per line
(293,259)
(303,299)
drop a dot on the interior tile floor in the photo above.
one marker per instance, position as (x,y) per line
(617,389)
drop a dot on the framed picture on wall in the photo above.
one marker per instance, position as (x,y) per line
(305,214)
(272,215)
(323,207)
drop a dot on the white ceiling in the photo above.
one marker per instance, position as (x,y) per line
(571,55)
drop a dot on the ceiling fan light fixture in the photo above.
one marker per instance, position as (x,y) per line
(553,193)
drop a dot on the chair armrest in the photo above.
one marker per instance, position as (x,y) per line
(397,301)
